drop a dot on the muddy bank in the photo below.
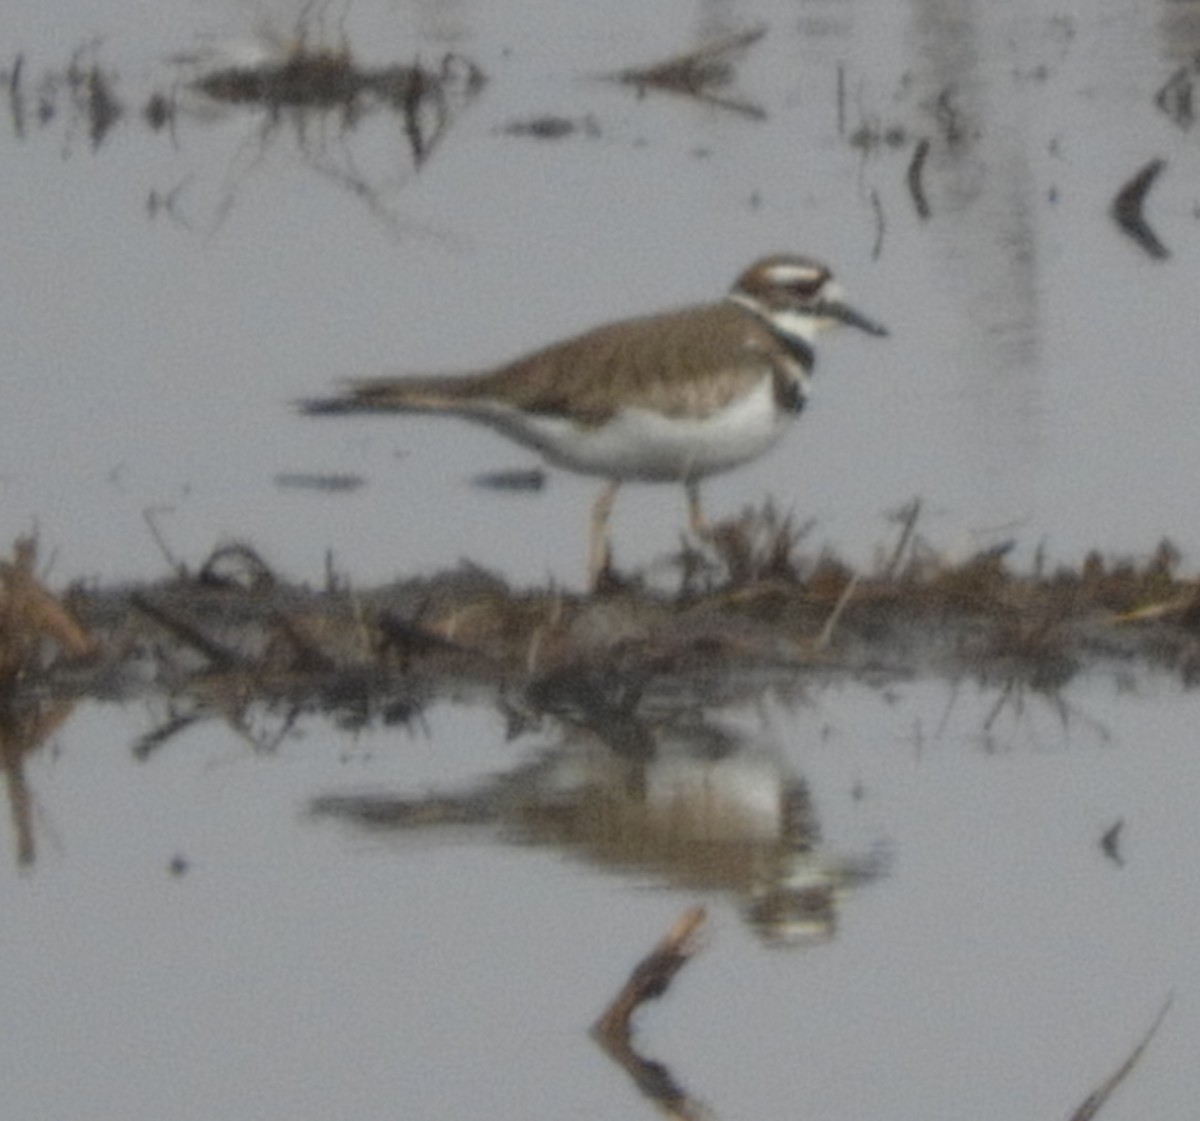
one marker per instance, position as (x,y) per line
(233,629)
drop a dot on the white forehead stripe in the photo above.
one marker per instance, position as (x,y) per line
(790,274)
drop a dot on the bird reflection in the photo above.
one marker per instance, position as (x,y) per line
(683,800)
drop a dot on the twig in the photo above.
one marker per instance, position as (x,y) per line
(652,975)
(220,656)
(1092,1103)
(826,635)
(907,517)
(150,517)
(649,979)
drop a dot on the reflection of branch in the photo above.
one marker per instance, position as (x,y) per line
(1092,1103)
(1127,209)
(916,186)
(650,979)
(1175,97)
(697,73)
(16,99)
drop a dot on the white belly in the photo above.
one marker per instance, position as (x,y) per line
(639,444)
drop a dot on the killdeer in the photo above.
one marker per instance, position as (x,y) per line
(663,398)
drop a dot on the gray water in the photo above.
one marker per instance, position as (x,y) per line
(190,943)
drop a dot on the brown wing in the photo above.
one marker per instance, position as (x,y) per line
(650,362)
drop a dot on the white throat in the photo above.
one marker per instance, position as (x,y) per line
(800,326)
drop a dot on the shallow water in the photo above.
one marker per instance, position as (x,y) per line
(189,939)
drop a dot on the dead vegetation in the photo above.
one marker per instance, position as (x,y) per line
(234,631)
(36,631)
(325,80)
(317,93)
(36,634)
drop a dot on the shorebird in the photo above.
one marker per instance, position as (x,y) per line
(672,397)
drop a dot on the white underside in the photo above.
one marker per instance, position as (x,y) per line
(640,444)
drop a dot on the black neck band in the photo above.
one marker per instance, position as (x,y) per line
(800,349)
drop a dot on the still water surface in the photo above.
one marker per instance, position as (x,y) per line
(190,942)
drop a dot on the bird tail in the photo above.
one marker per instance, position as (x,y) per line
(438,393)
